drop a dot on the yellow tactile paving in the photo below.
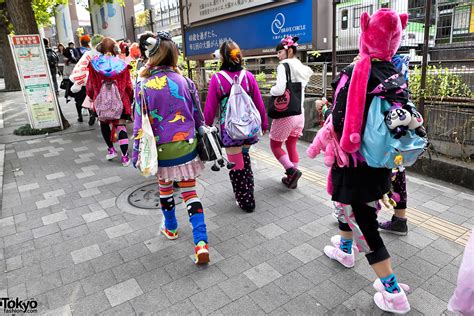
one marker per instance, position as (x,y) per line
(435,225)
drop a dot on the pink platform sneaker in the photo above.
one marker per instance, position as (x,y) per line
(396,303)
(347,260)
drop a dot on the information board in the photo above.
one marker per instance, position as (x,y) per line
(35,79)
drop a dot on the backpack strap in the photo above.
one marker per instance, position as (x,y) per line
(226,76)
(220,84)
(241,77)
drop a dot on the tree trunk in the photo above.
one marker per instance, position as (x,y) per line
(23,20)
(22,16)
(9,70)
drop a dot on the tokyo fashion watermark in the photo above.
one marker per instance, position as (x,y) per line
(16,305)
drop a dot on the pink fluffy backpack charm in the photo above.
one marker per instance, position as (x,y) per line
(326,142)
(380,38)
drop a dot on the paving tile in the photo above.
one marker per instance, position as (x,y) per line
(242,306)
(56,263)
(119,230)
(123,292)
(304,305)
(269,297)
(98,282)
(420,267)
(150,303)
(184,307)
(123,309)
(271,231)
(63,311)
(435,256)
(256,255)
(329,294)
(43,284)
(153,279)
(362,303)
(45,230)
(180,289)
(449,273)
(67,294)
(129,270)
(305,253)
(47,202)
(436,206)
(350,281)
(314,229)
(262,274)
(210,299)
(285,263)
(14,263)
(208,276)
(294,284)
(237,286)
(439,288)
(427,303)
(76,272)
(316,271)
(95,303)
(86,254)
(56,175)
(94,216)
(233,266)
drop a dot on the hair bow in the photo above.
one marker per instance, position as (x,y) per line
(288,42)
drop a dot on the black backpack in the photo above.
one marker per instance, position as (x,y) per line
(53,58)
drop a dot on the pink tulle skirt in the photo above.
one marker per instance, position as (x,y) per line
(185,171)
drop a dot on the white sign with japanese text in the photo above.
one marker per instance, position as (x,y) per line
(199,10)
(35,79)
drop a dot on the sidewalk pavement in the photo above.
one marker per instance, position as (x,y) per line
(67,241)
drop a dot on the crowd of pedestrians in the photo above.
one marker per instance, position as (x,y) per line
(118,83)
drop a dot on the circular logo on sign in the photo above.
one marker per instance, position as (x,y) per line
(278,23)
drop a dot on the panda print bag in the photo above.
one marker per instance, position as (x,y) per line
(381,148)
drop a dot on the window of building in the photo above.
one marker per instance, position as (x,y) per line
(344,19)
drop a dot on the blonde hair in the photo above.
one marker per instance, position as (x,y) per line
(167,55)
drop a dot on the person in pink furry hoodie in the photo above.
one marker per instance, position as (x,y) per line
(356,188)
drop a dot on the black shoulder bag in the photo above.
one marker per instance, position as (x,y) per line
(288,104)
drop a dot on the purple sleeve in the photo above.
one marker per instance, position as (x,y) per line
(212,101)
(257,99)
(137,124)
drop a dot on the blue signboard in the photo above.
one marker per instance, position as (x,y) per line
(262,29)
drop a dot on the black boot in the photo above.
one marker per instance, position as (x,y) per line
(242,191)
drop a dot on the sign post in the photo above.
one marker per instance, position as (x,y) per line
(35,80)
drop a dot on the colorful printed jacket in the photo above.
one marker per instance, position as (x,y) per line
(170,107)
(104,67)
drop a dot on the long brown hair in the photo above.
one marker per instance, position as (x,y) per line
(231,53)
(108,46)
(167,55)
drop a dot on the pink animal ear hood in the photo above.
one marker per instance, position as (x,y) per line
(380,38)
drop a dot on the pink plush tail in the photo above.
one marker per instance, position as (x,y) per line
(351,135)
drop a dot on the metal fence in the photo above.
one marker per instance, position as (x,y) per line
(450,123)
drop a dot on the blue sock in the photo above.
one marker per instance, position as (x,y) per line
(170,219)
(346,245)
(199,227)
(390,283)
(245,150)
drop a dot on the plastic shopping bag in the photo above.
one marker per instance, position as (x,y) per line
(148,154)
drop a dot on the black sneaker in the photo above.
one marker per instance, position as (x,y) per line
(79,119)
(396,226)
(292,177)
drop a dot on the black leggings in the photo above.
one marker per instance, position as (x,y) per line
(366,219)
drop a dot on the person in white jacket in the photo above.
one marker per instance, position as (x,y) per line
(79,75)
(288,129)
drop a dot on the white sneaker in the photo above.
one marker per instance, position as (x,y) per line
(392,302)
(111,154)
(347,260)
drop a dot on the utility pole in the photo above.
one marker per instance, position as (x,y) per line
(334,38)
(181,20)
(424,62)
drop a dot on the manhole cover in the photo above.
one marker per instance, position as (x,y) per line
(148,197)
(144,198)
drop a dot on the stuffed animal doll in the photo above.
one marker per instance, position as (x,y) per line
(380,37)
